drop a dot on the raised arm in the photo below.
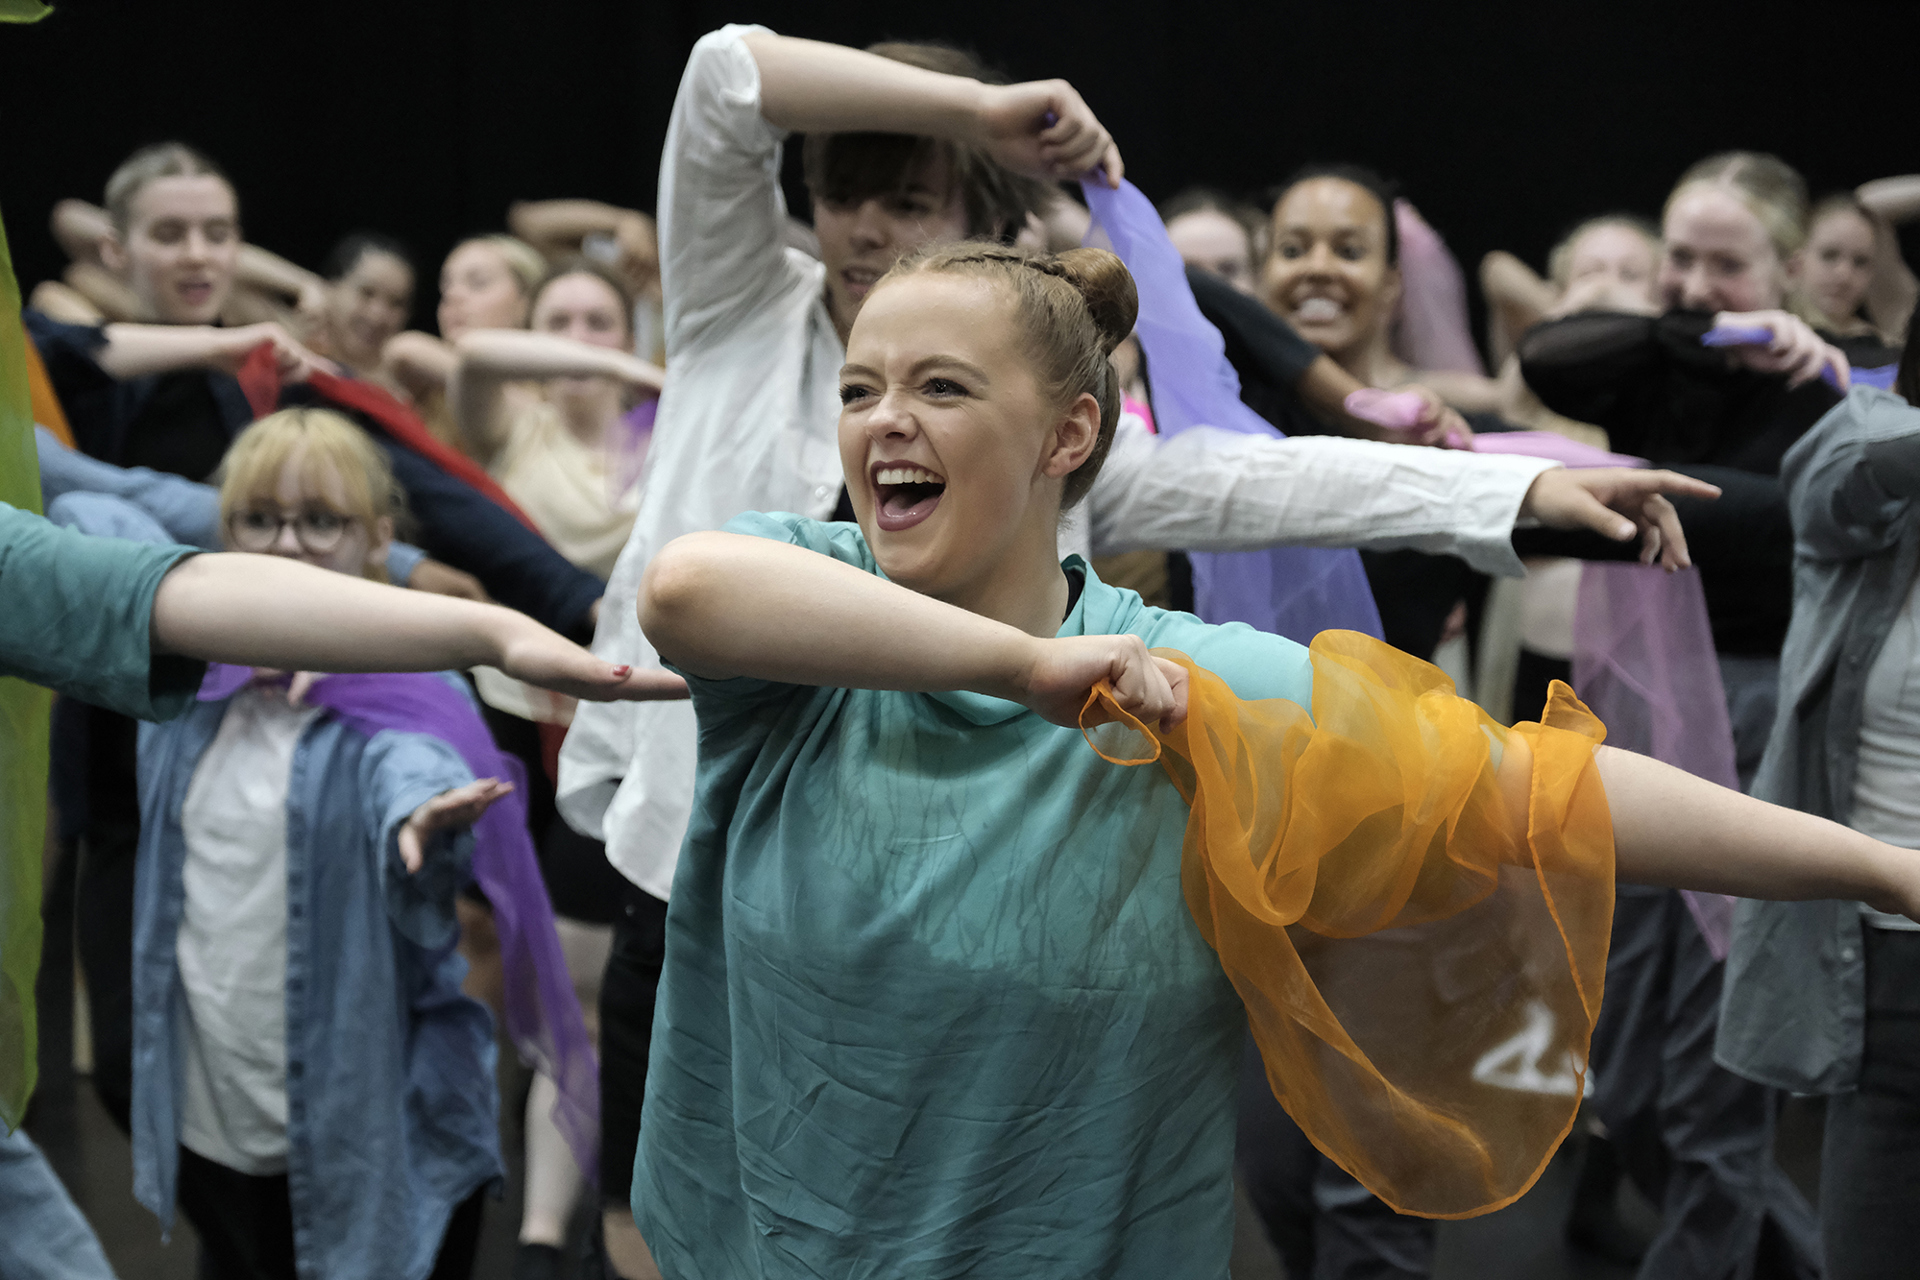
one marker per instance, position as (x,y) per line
(1893,289)
(488,359)
(272,274)
(80,228)
(559,227)
(1517,299)
(266,611)
(812,87)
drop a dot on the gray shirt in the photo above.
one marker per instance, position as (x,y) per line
(1794,1005)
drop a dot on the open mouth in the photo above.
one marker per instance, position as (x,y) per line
(859,281)
(904,494)
(1318,310)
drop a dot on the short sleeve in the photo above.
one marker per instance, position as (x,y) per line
(840,540)
(76,615)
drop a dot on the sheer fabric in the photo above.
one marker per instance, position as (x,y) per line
(1413,902)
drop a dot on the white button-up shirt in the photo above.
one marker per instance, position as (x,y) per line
(749,421)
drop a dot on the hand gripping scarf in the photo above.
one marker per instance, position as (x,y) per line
(542,1014)
(1296,592)
(1413,902)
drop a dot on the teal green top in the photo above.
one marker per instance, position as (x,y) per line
(933,1004)
(76,615)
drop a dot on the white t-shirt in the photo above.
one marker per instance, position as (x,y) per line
(1886,784)
(232,947)
(749,421)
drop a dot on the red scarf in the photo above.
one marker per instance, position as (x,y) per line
(259,380)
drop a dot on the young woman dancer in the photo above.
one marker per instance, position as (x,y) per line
(484,284)
(755,339)
(932,1004)
(573,460)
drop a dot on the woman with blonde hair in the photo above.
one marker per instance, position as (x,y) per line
(902,1034)
(485,283)
(302,847)
(561,414)
(1720,385)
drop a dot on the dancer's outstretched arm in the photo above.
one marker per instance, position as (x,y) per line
(265,611)
(721,604)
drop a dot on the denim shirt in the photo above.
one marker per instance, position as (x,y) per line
(392,1110)
(1793,1009)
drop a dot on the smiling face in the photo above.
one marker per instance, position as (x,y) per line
(860,241)
(478,290)
(1836,266)
(181,245)
(1212,242)
(368,305)
(1718,256)
(1328,273)
(955,457)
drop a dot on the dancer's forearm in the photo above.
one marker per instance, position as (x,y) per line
(1671,828)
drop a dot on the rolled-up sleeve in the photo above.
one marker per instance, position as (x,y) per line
(722,216)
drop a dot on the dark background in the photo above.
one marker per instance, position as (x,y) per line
(1506,122)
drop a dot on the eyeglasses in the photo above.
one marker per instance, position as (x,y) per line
(316,531)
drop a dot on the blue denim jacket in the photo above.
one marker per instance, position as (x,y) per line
(392,1110)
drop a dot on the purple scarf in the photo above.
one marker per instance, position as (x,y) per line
(542,1014)
(1297,592)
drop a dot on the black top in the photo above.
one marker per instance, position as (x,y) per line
(183,422)
(178,428)
(1863,350)
(1663,396)
(180,423)
(1263,349)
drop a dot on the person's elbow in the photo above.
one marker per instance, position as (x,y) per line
(676,594)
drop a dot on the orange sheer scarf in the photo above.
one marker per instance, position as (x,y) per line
(1413,902)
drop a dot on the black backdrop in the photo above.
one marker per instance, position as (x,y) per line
(1507,122)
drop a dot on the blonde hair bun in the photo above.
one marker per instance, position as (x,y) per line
(1104,281)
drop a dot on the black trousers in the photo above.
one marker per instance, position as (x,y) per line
(1325,1225)
(1870,1162)
(627,997)
(1695,1138)
(245,1224)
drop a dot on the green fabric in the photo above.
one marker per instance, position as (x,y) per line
(24,713)
(23,10)
(933,1004)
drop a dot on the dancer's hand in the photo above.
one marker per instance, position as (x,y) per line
(1618,502)
(1045,129)
(460,807)
(1062,673)
(1795,350)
